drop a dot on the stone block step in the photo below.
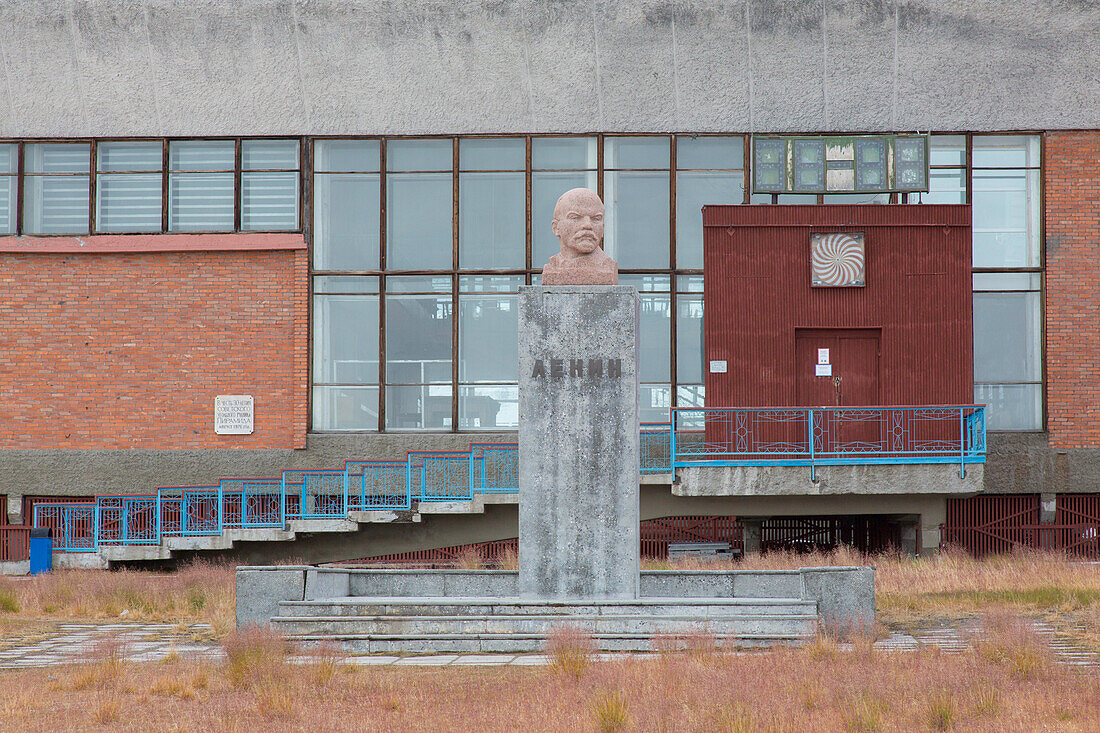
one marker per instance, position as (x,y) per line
(757,624)
(404,606)
(525,643)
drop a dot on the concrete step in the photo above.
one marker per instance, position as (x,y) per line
(403,606)
(526,642)
(755,625)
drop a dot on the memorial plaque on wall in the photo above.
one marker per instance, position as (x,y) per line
(233,414)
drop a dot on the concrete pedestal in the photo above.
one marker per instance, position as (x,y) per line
(578,442)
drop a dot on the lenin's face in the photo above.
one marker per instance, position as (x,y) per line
(578,222)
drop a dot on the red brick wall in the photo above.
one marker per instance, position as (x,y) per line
(1072,195)
(128,350)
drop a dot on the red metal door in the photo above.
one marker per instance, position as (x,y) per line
(851,375)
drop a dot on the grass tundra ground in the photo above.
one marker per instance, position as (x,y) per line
(1006,682)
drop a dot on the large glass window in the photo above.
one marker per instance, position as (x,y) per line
(689,341)
(709,170)
(346,204)
(636,197)
(1005,195)
(129,186)
(200,185)
(345,353)
(1007,355)
(418,352)
(558,164)
(488,395)
(654,345)
(9,187)
(491,200)
(269,185)
(56,193)
(419,195)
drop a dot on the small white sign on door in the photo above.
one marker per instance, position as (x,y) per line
(822,356)
(233,414)
(718,367)
(823,370)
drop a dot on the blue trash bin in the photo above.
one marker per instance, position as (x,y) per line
(41,550)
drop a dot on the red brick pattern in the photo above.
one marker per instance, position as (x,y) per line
(129,350)
(1072,197)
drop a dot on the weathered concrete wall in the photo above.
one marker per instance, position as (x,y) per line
(207,67)
(795,480)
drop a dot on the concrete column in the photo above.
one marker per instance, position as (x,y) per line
(578,442)
(751,531)
(909,532)
(1048,508)
(15,509)
(930,521)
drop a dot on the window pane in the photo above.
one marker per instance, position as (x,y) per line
(1007,337)
(636,227)
(419,155)
(7,204)
(1006,151)
(345,339)
(944,187)
(487,350)
(1007,281)
(145,156)
(345,408)
(489,283)
(947,150)
(546,189)
(419,284)
(492,220)
(693,190)
(1011,406)
(691,395)
(201,155)
(418,339)
(488,407)
(1006,218)
(200,202)
(269,155)
(418,225)
(654,340)
(563,153)
(269,201)
(56,158)
(654,401)
(346,155)
(647,283)
(55,204)
(8,158)
(689,283)
(689,339)
(367,284)
(636,152)
(418,407)
(710,152)
(346,208)
(128,202)
(492,154)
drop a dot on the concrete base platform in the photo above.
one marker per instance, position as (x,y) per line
(422,625)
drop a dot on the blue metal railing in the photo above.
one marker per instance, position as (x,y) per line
(794,436)
(828,436)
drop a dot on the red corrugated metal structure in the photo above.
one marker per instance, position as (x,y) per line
(905,337)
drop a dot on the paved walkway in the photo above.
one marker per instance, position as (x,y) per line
(139,642)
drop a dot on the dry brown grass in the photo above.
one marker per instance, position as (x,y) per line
(200,593)
(817,688)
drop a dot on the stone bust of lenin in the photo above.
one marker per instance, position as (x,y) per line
(578,225)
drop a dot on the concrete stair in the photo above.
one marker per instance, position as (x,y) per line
(440,625)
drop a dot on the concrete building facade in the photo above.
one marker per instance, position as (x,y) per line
(330,206)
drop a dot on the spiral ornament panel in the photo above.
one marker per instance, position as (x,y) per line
(837,259)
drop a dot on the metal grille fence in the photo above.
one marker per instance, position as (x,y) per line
(15,543)
(990,525)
